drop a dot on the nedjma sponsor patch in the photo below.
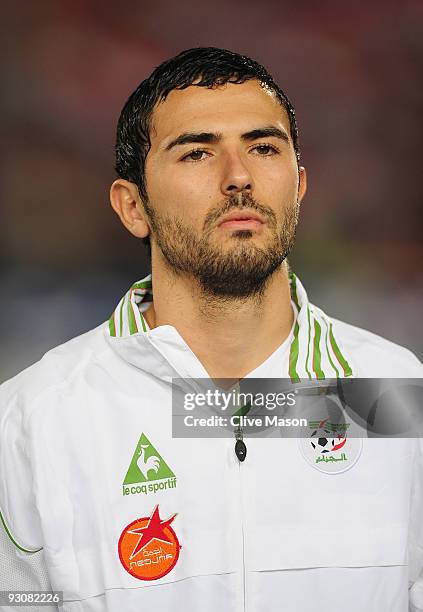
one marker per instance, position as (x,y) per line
(148,547)
(148,472)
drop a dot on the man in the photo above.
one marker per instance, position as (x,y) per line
(129,517)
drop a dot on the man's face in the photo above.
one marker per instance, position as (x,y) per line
(214,153)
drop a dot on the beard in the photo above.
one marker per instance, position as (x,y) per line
(240,270)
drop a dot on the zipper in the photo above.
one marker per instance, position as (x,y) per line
(241,451)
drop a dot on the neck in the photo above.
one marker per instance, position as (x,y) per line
(230,336)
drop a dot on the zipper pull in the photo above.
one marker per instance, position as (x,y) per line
(240,448)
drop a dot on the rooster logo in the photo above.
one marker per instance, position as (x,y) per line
(145,465)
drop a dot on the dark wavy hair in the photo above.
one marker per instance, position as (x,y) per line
(208,67)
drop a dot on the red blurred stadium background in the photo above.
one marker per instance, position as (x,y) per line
(353,72)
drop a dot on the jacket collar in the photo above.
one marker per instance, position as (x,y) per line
(314,352)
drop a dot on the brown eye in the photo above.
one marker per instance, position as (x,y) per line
(265,149)
(195,155)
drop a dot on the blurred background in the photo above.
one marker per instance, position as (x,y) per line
(353,72)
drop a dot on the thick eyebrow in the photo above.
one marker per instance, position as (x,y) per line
(214,138)
(266,132)
(188,137)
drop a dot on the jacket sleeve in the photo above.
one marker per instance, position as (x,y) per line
(18,512)
(22,571)
(415,544)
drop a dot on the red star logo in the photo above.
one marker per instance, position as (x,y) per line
(154,530)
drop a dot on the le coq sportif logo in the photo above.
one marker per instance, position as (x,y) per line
(148,472)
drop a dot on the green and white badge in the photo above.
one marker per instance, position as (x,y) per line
(329,449)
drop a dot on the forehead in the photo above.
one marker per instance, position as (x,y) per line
(228,109)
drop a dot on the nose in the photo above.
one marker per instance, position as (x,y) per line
(236,176)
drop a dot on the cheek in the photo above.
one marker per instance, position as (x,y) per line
(282,184)
(288,172)
(172,194)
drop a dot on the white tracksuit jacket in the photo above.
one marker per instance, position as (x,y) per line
(130,518)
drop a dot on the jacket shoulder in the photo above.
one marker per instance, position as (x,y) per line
(375,356)
(56,366)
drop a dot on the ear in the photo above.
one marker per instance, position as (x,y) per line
(302,183)
(126,202)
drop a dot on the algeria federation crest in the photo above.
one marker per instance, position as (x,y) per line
(329,449)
